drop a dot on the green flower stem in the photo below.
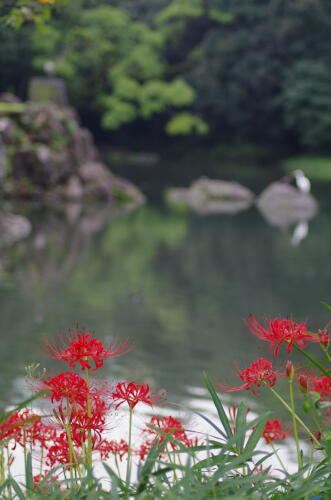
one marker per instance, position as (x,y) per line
(279,397)
(314,418)
(169,457)
(117,467)
(9,473)
(128,467)
(294,423)
(2,466)
(313,361)
(278,458)
(328,357)
(24,449)
(89,414)
(70,445)
(41,460)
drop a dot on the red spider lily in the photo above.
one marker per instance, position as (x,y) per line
(167,425)
(38,433)
(289,370)
(16,424)
(54,480)
(133,393)
(105,448)
(83,347)
(305,379)
(69,386)
(322,385)
(58,453)
(280,331)
(81,423)
(144,449)
(323,337)
(258,373)
(273,431)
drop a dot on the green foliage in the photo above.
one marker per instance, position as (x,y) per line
(12,107)
(114,66)
(307,102)
(18,12)
(186,9)
(186,123)
(251,72)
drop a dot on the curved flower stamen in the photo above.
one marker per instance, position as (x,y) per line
(83,347)
(279,331)
(258,373)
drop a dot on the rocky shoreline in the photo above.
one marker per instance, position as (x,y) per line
(46,154)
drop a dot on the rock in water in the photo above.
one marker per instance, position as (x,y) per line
(212,196)
(51,156)
(13,228)
(283,205)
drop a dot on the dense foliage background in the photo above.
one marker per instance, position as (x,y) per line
(229,70)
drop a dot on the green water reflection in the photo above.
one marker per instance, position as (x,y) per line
(177,283)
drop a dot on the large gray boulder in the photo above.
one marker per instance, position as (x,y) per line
(283,205)
(13,228)
(212,196)
(50,156)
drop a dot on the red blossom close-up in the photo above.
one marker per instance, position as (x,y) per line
(281,331)
(58,453)
(167,425)
(13,426)
(274,431)
(82,348)
(69,386)
(259,372)
(322,385)
(105,448)
(133,393)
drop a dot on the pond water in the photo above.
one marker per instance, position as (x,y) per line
(177,283)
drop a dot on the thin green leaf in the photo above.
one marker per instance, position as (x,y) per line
(17,489)
(28,473)
(22,405)
(327,306)
(256,435)
(240,423)
(219,407)
(118,481)
(211,423)
(146,469)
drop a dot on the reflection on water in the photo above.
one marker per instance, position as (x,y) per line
(177,283)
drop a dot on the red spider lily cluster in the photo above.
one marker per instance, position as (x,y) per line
(274,431)
(261,373)
(160,428)
(78,423)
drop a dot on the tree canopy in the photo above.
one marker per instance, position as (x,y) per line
(252,71)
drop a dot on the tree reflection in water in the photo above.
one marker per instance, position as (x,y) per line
(177,283)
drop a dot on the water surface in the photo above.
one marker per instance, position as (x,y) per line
(177,283)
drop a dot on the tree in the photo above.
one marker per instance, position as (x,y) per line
(115,67)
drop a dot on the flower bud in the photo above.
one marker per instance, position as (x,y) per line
(303,382)
(323,337)
(289,370)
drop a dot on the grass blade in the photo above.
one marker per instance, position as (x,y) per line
(219,407)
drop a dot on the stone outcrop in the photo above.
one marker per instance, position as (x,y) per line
(283,205)
(49,155)
(13,228)
(212,196)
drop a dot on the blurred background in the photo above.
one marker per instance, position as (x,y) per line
(165,170)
